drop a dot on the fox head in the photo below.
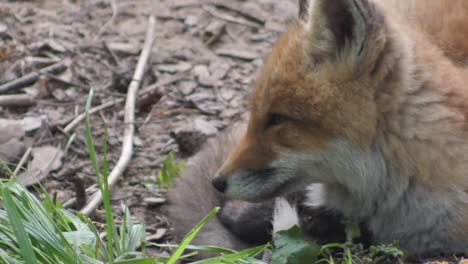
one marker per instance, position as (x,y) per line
(314,116)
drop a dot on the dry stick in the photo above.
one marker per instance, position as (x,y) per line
(75,121)
(221,4)
(30,78)
(17,100)
(22,161)
(241,12)
(93,110)
(228,18)
(114,15)
(127,148)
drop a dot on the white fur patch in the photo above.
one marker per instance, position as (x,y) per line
(314,194)
(284,215)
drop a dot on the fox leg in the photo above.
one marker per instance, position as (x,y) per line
(250,222)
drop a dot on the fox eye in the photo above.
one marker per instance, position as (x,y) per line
(276,119)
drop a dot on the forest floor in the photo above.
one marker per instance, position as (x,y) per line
(203,64)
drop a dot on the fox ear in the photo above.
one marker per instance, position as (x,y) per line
(303,9)
(335,26)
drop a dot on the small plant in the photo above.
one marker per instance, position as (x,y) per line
(291,248)
(391,250)
(352,231)
(34,231)
(169,171)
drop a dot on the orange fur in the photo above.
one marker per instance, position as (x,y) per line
(330,100)
(398,87)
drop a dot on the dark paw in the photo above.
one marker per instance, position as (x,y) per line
(250,222)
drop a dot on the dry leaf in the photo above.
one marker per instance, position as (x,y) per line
(45,159)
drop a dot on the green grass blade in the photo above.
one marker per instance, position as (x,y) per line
(190,236)
(16,222)
(110,229)
(211,249)
(140,261)
(89,138)
(247,253)
(103,185)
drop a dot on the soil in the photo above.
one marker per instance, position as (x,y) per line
(204,62)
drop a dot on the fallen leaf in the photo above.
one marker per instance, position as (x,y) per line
(45,159)
(32,123)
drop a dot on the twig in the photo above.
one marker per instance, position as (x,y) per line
(228,18)
(127,147)
(220,4)
(76,120)
(17,100)
(239,11)
(70,83)
(110,21)
(22,161)
(93,110)
(30,78)
(111,53)
(189,4)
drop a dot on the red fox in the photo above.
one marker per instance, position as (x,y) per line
(362,106)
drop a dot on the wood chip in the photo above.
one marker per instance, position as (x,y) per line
(124,48)
(213,32)
(174,68)
(219,70)
(187,87)
(203,76)
(154,200)
(191,21)
(238,54)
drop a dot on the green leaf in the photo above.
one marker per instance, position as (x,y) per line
(242,255)
(291,248)
(211,249)
(16,222)
(169,171)
(391,250)
(139,261)
(191,235)
(77,238)
(102,183)
(352,230)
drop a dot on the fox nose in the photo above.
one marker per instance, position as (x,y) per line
(219,183)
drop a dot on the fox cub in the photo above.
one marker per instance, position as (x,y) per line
(362,109)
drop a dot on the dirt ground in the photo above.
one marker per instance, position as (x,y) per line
(203,63)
